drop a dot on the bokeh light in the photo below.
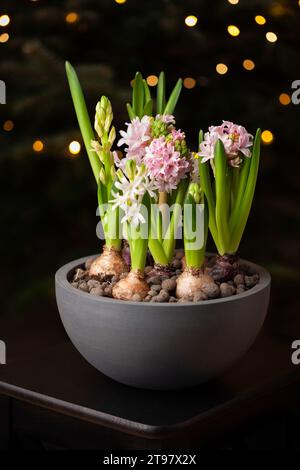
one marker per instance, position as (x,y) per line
(74,147)
(4,37)
(189,83)
(277,9)
(221,68)
(72,17)
(248,64)
(284,99)
(233,30)
(152,80)
(267,137)
(120,2)
(4,20)
(191,20)
(8,125)
(38,146)
(233,2)
(271,37)
(260,19)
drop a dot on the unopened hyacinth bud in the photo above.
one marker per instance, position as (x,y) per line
(130,169)
(113,172)
(195,191)
(119,174)
(103,116)
(180,146)
(102,176)
(159,128)
(112,135)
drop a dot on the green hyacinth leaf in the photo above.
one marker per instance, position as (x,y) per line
(171,105)
(248,194)
(83,118)
(147,111)
(161,93)
(130,111)
(138,95)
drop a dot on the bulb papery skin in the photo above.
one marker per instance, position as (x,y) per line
(225,267)
(191,281)
(133,284)
(109,263)
(126,252)
(161,270)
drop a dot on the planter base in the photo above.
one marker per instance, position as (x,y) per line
(161,346)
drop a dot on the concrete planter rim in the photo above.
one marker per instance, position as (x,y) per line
(62,274)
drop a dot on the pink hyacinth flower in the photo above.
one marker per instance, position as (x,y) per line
(136,138)
(235,138)
(165,165)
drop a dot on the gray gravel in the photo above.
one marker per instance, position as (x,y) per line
(162,287)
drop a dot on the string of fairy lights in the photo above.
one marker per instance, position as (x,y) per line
(72,17)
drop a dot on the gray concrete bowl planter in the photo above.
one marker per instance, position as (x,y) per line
(161,345)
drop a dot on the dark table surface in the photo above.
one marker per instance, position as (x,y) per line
(45,370)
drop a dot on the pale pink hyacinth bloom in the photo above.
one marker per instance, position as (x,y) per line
(178,134)
(235,138)
(165,164)
(166,118)
(136,138)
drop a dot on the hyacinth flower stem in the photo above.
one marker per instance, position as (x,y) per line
(235,172)
(162,216)
(206,185)
(169,242)
(155,237)
(239,219)
(194,258)
(138,251)
(83,118)
(109,218)
(138,238)
(222,199)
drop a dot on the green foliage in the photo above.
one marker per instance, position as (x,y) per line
(229,202)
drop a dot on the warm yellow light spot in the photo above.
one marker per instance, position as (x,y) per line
(72,17)
(271,37)
(4,20)
(191,20)
(152,80)
(8,125)
(233,30)
(221,69)
(284,99)
(189,83)
(260,19)
(248,64)
(277,9)
(233,2)
(120,2)
(267,137)
(4,37)
(38,146)
(74,147)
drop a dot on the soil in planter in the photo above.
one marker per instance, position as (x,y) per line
(162,287)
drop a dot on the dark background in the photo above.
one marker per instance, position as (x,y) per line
(48,198)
